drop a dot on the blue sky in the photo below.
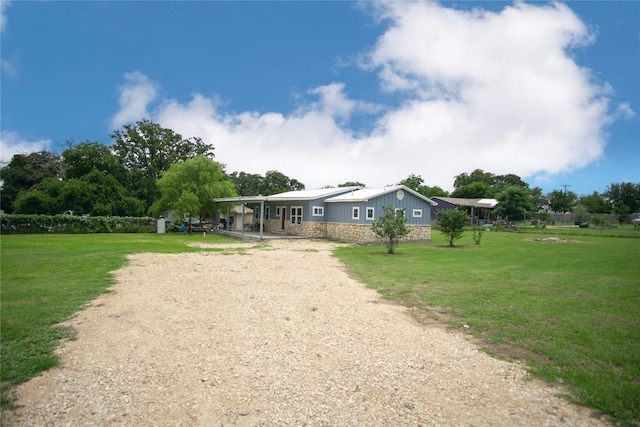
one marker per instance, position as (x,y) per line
(328,92)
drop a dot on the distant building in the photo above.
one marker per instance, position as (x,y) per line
(479,209)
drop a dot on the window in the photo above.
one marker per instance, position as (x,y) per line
(399,213)
(355,213)
(278,212)
(296,214)
(256,213)
(371,213)
(417,213)
(318,211)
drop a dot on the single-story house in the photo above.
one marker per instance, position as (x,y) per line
(479,209)
(342,213)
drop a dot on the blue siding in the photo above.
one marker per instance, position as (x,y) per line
(307,209)
(342,211)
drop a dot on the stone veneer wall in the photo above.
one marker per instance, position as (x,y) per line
(352,233)
(358,233)
(315,230)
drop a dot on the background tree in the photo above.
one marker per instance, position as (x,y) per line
(351,184)
(477,175)
(502,182)
(515,203)
(78,196)
(624,198)
(83,158)
(147,149)
(390,227)
(416,183)
(538,199)
(481,184)
(95,193)
(474,190)
(247,184)
(434,191)
(595,203)
(451,223)
(24,171)
(413,182)
(189,187)
(35,202)
(275,182)
(562,202)
(580,211)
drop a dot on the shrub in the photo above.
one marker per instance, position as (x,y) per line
(17,223)
(476,234)
(390,227)
(452,223)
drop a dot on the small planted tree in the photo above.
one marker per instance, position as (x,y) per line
(452,223)
(476,234)
(390,227)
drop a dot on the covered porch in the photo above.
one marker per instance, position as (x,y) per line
(240,205)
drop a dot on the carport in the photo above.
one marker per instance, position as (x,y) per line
(243,201)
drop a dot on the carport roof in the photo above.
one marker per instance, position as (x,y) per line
(476,203)
(242,199)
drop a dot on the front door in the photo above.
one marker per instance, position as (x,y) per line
(283,216)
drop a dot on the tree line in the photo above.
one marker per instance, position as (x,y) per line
(148,169)
(144,169)
(517,199)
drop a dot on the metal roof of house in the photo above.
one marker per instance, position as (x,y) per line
(366,194)
(310,194)
(476,203)
(290,195)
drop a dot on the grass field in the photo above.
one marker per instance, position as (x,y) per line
(47,278)
(571,311)
(566,229)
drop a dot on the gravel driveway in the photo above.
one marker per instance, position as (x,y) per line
(274,334)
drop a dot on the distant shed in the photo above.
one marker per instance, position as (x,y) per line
(479,209)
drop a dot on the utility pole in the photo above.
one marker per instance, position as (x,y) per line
(565,187)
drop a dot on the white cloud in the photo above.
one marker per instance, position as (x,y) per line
(8,68)
(492,90)
(135,95)
(11,143)
(3,14)
(625,111)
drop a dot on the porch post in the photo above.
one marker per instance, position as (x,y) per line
(242,231)
(261,217)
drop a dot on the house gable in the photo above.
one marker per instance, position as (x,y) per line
(369,202)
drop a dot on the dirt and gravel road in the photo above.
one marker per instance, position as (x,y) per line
(273,334)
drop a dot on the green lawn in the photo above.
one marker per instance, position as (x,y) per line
(570,229)
(570,310)
(48,278)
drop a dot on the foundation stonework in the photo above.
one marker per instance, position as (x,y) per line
(351,233)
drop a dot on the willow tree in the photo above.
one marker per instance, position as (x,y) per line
(189,187)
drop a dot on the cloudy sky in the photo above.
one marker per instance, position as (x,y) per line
(328,92)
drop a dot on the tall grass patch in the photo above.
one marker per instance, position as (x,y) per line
(48,278)
(569,310)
